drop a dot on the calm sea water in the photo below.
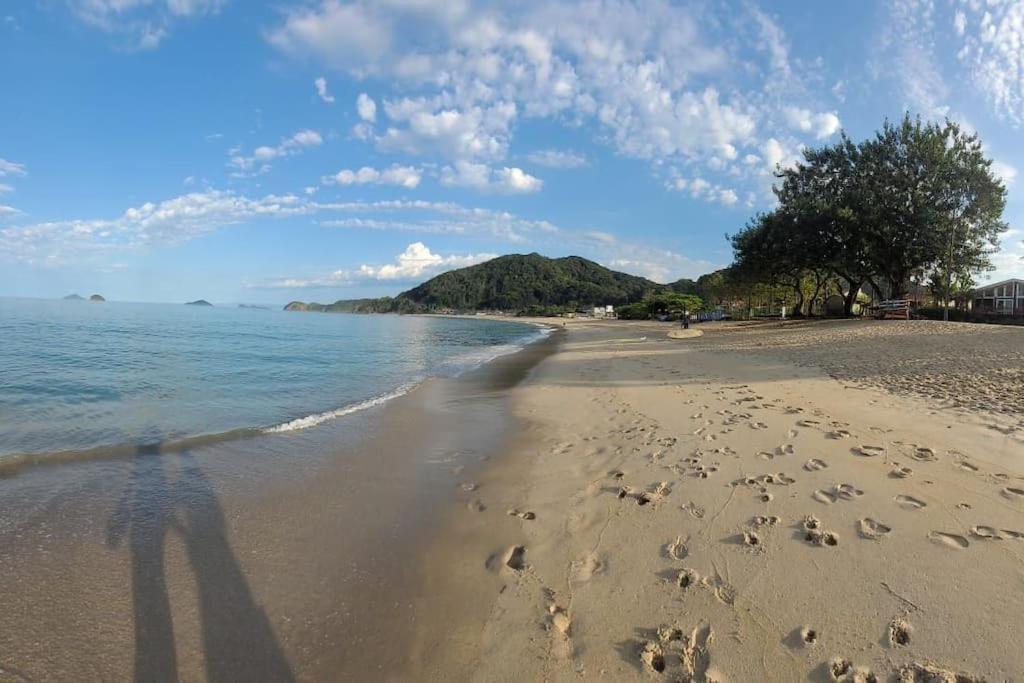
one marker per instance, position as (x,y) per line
(78,375)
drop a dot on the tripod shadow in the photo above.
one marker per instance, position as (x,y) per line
(238,642)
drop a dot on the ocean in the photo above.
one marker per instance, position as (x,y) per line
(84,376)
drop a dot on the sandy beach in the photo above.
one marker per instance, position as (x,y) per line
(823,501)
(820,501)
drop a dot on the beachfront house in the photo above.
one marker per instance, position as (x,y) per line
(1000,298)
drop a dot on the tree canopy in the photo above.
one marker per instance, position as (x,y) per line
(917,200)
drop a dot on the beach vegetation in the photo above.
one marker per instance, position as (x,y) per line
(918,201)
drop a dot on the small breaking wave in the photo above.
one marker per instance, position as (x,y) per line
(319,418)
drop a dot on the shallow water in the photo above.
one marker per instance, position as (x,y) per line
(82,376)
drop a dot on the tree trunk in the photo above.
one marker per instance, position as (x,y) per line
(798,308)
(851,297)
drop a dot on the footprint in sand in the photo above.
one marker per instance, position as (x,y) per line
(924,454)
(762,520)
(842,669)
(822,538)
(653,656)
(848,491)
(899,633)
(815,464)
(986,533)
(808,635)
(515,558)
(872,529)
(843,491)
(912,673)
(909,502)
(900,472)
(687,578)
(520,514)
(1013,493)
(560,620)
(584,569)
(1015,535)
(839,434)
(677,549)
(751,540)
(811,523)
(949,540)
(869,451)
(694,509)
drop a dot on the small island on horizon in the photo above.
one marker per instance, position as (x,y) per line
(198,302)
(96,297)
(74,297)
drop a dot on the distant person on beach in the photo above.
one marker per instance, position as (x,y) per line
(686,320)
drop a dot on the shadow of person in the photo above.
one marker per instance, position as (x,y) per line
(145,513)
(238,642)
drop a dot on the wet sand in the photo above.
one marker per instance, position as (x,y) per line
(832,501)
(281,557)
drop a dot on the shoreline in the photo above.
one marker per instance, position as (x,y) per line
(732,450)
(241,559)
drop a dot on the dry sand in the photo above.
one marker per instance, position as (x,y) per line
(835,501)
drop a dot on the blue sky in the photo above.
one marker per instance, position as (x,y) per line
(167,150)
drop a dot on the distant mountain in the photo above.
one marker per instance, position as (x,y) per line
(96,297)
(256,306)
(516,282)
(199,302)
(74,297)
(340,306)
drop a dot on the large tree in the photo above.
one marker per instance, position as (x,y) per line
(917,199)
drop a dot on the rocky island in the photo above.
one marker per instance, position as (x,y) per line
(96,297)
(74,297)
(198,302)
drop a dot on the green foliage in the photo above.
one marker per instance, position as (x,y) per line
(917,199)
(637,311)
(673,305)
(516,283)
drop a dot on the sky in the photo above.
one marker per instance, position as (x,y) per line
(169,150)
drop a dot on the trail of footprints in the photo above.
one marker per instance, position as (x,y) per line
(684,654)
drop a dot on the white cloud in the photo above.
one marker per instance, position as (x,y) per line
(660,81)
(172,221)
(822,125)
(699,188)
(994,52)
(960,23)
(509,180)
(366,107)
(517,180)
(402,176)
(1005,172)
(429,126)
(417,262)
(258,162)
(778,154)
(321,90)
(7,211)
(556,158)
(141,24)
(5,188)
(9,168)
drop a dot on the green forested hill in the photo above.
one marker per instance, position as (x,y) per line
(515,282)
